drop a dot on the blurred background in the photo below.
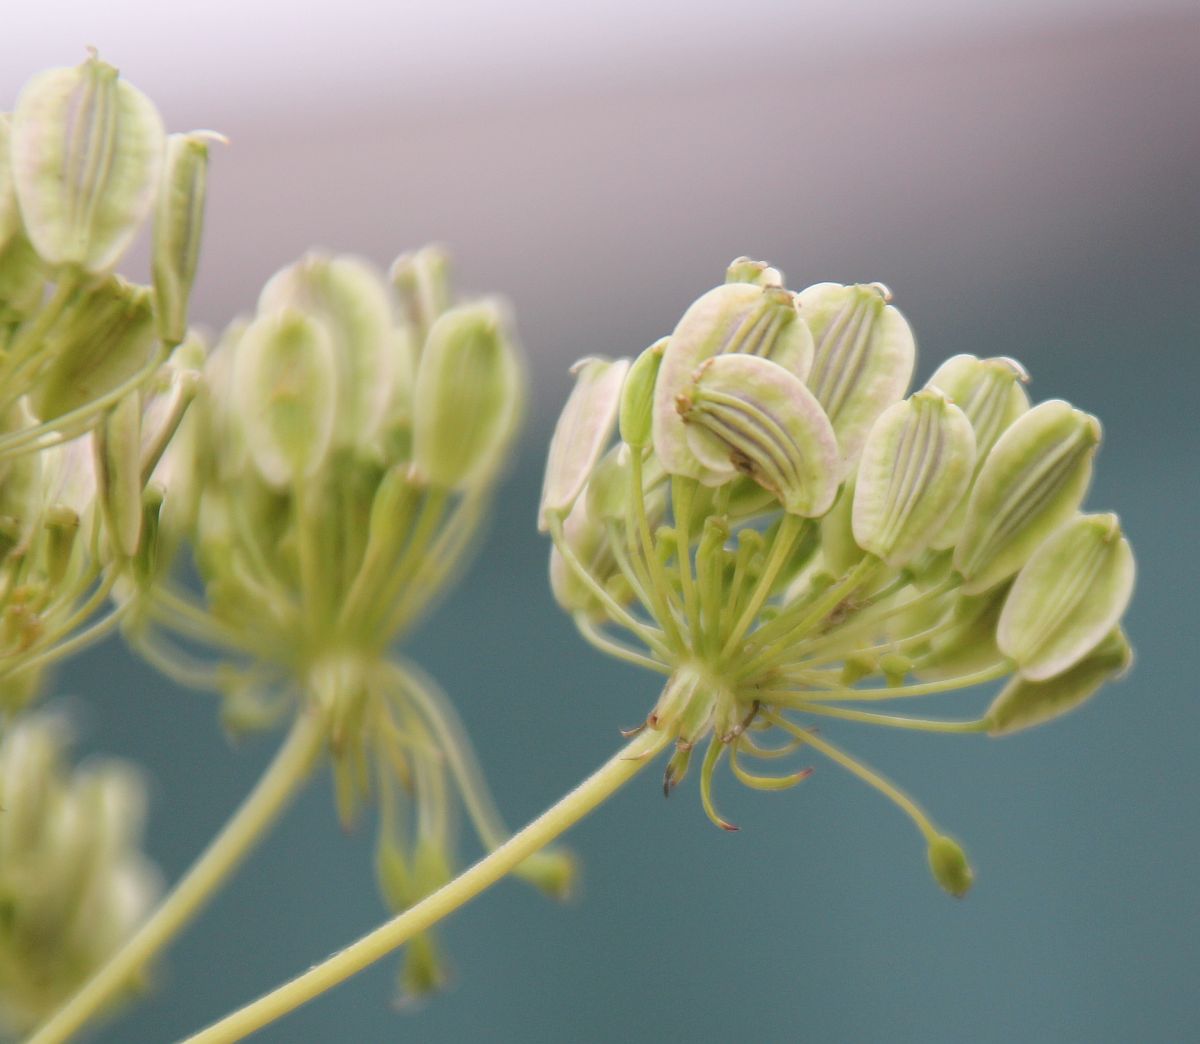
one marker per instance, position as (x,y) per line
(1024,175)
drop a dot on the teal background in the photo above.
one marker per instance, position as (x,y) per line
(1034,197)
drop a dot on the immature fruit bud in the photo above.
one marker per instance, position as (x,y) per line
(86,152)
(285,387)
(750,415)
(914,470)
(1032,481)
(583,430)
(735,318)
(1067,597)
(178,224)
(468,398)
(950,867)
(1023,702)
(637,396)
(863,357)
(349,301)
(989,392)
(118,473)
(103,339)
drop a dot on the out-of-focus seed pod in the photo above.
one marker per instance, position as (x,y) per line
(468,398)
(949,865)
(86,152)
(104,339)
(421,281)
(1067,597)
(756,273)
(915,468)
(10,213)
(22,278)
(1031,483)
(735,318)
(990,393)
(838,547)
(863,357)
(584,428)
(1024,702)
(349,301)
(285,389)
(755,417)
(178,225)
(637,396)
(118,473)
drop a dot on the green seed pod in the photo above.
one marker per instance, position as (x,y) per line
(22,279)
(734,318)
(608,486)
(284,385)
(1023,702)
(1031,483)
(753,416)
(863,357)
(1067,597)
(468,400)
(915,468)
(990,393)
(756,273)
(178,225)
(421,281)
(86,152)
(839,549)
(103,339)
(584,428)
(349,300)
(949,865)
(119,473)
(637,396)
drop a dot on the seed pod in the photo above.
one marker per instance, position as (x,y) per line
(86,151)
(119,471)
(421,281)
(734,318)
(990,393)
(1067,597)
(583,430)
(103,339)
(863,357)
(22,279)
(178,224)
(752,415)
(1031,483)
(284,385)
(349,301)
(1024,702)
(468,398)
(914,470)
(637,396)
(949,865)
(756,273)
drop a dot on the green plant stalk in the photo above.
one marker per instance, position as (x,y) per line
(271,795)
(591,793)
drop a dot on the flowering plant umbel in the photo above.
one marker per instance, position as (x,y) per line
(755,508)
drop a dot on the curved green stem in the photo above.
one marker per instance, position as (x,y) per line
(593,791)
(278,785)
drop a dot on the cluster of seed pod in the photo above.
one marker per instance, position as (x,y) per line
(73,880)
(782,532)
(94,372)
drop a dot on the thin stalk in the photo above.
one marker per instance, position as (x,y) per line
(270,796)
(785,540)
(893,692)
(895,721)
(592,792)
(660,587)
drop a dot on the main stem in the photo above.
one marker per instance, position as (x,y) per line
(262,806)
(593,791)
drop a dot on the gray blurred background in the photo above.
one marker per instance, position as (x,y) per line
(1024,176)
